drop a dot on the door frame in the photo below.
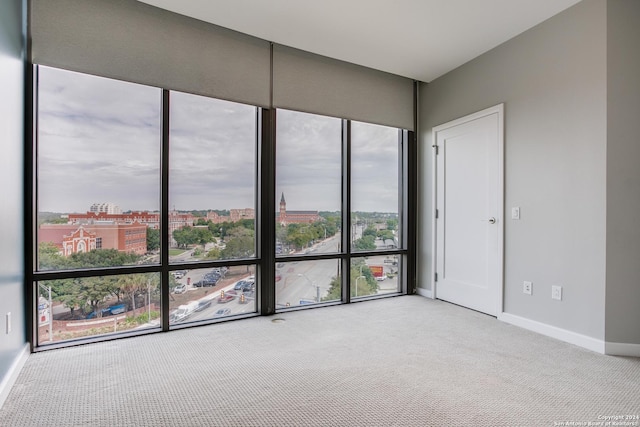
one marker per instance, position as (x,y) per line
(499,110)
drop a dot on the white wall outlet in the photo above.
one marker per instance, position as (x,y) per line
(8,322)
(527,287)
(556,292)
(515,213)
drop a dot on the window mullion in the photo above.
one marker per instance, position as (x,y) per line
(345,235)
(164,213)
(267,213)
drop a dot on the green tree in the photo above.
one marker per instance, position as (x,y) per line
(131,285)
(366,283)
(334,290)
(183,237)
(187,236)
(153,239)
(214,254)
(362,277)
(392,224)
(239,243)
(202,221)
(385,234)
(49,257)
(102,258)
(366,243)
(86,293)
(370,231)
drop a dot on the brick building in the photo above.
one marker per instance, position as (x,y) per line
(177,220)
(284,217)
(234,215)
(72,238)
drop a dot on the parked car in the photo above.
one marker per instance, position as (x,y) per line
(221,271)
(178,274)
(180,289)
(208,279)
(109,311)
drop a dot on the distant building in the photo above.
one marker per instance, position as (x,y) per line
(150,219)
(72,238)
(238,214)
(285,217)
(109,208)
(234,215)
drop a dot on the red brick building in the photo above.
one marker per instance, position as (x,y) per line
(150,219)
(72,238)
(234,215)
(285,217)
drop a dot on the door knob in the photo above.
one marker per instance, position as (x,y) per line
(492,220)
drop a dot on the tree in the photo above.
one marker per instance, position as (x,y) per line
(49,257)
(214,254)
(370,231)
(153,239)
(186,236)
(102,258)
(183,237)
(239,243)
(392,224)
(335,290)
(366,286)
(130,285)
(385,234)
(202,221)
(84,293)
(366,243)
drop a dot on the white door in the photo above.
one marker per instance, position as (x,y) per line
(469,203)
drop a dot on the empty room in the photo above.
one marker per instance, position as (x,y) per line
(247,213)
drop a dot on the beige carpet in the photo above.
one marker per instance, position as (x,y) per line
(405,361)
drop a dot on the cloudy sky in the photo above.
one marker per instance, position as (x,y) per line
(99,141)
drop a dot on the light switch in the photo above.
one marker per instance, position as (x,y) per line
(515,213)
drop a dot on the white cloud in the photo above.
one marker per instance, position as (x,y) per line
(99,140)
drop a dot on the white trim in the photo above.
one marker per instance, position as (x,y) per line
(499,110)
(12,374)
(554,332)
(427,293)
(621,349)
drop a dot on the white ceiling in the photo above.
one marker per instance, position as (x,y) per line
(420,39)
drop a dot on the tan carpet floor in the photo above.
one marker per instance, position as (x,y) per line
(403,361)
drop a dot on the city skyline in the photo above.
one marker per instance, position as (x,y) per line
(99,140)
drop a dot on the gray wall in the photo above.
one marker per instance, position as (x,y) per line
(552,79)
(623,172)
(11,170)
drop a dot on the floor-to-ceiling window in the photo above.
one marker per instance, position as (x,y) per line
(213,162)
(147,214)
(339,193)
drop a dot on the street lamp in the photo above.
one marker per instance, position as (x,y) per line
(311,283)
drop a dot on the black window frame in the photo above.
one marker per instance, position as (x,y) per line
(265,258)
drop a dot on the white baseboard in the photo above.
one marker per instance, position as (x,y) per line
(621,349)
(12,374)
(424,292)
(555,332)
